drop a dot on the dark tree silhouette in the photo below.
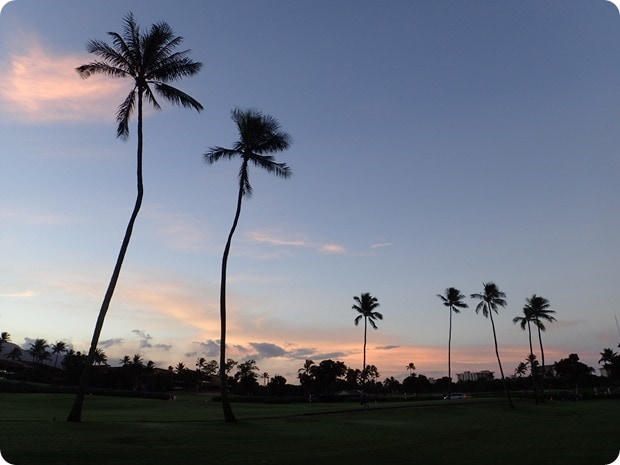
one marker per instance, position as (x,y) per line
(57,348)
(539,308)
(453,299)
(365,305)
(259,137)
(490,299)
(151,62)
(525,322)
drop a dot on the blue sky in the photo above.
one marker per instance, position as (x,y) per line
(436,144)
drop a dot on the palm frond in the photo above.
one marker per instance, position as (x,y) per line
(99,67)
(177,97)
(123,114)
(150,97)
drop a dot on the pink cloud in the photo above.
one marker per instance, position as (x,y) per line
(38,86)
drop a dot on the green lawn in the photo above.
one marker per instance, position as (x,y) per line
(119,431)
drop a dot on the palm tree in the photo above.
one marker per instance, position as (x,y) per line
(15,354)
(100,357)
(411,368)
(521,369)
(607,357)
(525,322)
(125,361)
(490,299)
(259,137)
(38,350)
(539,308)
(365,305)
(4,338)
(150,61)
(453,299)
(57,348)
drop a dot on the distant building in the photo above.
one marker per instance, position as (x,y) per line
(475,375)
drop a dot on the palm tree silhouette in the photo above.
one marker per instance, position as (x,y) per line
(38,350)
(365,306)
(4,338)
(259,137)
(57,348)
(539,308)
(525,322)
(453,299)
(490,299)
(410,367)
(150,60)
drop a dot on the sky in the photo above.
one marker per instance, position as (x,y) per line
(435,144)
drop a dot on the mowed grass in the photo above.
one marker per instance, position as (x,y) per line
(136,431)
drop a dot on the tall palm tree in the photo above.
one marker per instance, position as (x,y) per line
(410,368)
(365,305)
(259,137)
(453,299)
(525,322)
(491,298)
(539,308)
(151,62)
(57,348)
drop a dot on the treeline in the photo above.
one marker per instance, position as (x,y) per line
(59,365)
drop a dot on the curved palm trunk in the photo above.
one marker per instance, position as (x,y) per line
(364,357)
(501,370)
(542,359)
(76,410)
(229,416)
(532,368)
(449,359)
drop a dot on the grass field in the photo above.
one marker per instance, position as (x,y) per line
(118,431)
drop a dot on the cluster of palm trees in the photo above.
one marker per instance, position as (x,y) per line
(150,60)
(535,311)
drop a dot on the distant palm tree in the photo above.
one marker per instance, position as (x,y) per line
(525,322)
(453,299)
(180,368)
(150,60)
(607,357)
(365,305)
(259,137)
(521,369)
(411,368)
(38,350)
(4,338)
(490,299)
(539,308)
(57,348)
(15,354)
(125,361)
(137,360)
(100,357)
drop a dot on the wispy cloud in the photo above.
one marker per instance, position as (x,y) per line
(115,341)
(145,341)
(20,294)
(39,86)
(266,238)
(333,249)
(263,237)
(33,217)
(381,244)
